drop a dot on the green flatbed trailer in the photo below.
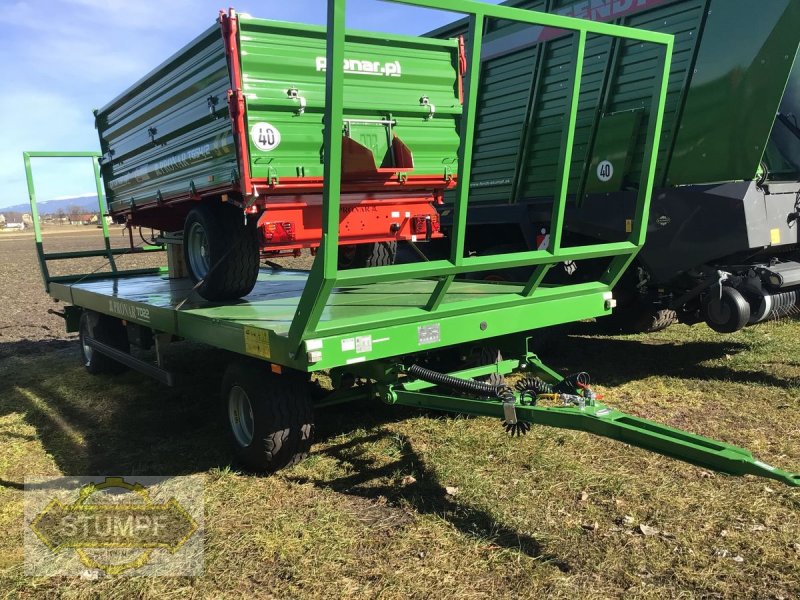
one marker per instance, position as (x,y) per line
(375,329)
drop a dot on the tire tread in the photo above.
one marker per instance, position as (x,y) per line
(284,414)
(235,255)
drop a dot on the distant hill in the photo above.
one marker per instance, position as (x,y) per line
(87,204)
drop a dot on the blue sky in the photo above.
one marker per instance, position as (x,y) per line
(59,59)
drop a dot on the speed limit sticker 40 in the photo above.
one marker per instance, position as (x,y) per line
(266,137)
(605,171)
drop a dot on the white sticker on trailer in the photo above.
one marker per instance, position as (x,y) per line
(363,344)
(605,171)
(265,136)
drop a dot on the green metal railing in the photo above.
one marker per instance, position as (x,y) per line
(107,252)
(325,276)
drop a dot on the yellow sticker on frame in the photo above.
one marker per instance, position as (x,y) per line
(256,341)
(775,236)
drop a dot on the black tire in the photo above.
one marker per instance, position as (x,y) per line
(356,256)
(657,320)
(728,312)
(109,331)
(637,318)
(486,355)
(281,416)
(221,251)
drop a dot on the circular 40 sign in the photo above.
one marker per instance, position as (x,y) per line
(266,137)
(605,171)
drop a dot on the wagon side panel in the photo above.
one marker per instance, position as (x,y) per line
(396,88)
(169,137)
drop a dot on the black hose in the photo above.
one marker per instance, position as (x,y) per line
(469,386)
(530,388)
(787,122)
(571,383)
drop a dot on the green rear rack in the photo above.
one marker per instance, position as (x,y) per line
(325,276)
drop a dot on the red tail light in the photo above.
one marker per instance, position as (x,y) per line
(425,225)
(278,232)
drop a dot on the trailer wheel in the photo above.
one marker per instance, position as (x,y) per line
(486,355)
(356,256)
(728,313)
(107,330)
(636,318)
(221,251)
(270,417)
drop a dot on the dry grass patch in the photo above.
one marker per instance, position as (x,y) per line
(397,503)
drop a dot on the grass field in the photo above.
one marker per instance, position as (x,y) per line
(397,503)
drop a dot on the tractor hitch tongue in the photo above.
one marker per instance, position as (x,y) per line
(575,406)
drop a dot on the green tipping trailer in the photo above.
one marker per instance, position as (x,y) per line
(721,241)
(235,119)
(378,332)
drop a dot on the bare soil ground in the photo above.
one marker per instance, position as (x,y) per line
(25,324)
(397,503)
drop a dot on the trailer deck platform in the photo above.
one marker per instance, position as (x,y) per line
(355,325)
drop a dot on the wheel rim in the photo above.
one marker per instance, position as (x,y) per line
(88,351)
(198,251)
(240,414)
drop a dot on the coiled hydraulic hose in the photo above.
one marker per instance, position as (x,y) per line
(530,388)
(571,383)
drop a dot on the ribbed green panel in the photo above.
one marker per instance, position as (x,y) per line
(720,96)
(548,118)
(681,19)
(192,145)
(277,57)
(743,64)
(506,87)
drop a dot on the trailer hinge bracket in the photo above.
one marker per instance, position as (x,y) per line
(294,94)
(426,103)
(212,102)
(510,412)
